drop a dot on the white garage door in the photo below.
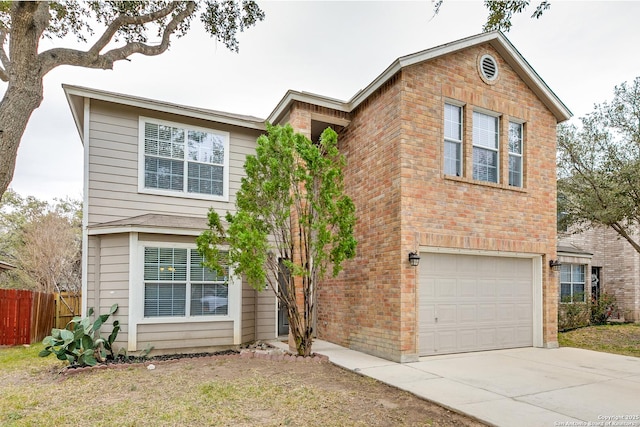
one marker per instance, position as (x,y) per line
(471,303)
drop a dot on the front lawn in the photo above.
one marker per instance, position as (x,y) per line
(204,391)
(619,339)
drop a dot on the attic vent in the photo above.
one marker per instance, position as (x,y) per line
(488,68)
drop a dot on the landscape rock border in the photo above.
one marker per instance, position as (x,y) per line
(258,350)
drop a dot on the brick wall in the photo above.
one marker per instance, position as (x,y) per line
(620,263)
(394,147)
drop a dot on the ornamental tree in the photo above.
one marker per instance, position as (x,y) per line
(124,30)
(599,167)
(293,223)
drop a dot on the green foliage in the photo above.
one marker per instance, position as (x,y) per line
(578,314)
(80,342)
(501,12)
(573,315)
(223,19)
(599,167)
(292,221)
(602,308)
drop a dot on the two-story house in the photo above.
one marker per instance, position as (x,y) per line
(451,159)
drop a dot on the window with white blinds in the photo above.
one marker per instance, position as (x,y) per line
(182,159)
(177,285)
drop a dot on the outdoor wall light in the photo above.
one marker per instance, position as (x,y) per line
(414,259)
(554,264)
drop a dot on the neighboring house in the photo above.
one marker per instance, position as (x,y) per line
(614,268)
(451,156)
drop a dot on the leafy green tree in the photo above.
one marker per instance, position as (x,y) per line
(124,30)
(501,12)
(293,223)
(599,167)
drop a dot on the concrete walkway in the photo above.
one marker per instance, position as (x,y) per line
(519,387)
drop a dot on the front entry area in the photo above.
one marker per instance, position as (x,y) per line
(474,302)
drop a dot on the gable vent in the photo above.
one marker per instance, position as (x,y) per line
(488,67)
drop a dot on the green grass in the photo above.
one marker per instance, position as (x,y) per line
(618,339)
(19,357)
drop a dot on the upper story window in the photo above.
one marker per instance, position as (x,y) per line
(515,154)
(486,143)
(572,283)
(452,140)
(183,160)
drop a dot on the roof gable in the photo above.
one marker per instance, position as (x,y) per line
(496,39)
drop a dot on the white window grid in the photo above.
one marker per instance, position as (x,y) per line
(453,131)
(486,147)
(516,151)
(183,160)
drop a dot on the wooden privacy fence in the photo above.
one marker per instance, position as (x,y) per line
(28,316)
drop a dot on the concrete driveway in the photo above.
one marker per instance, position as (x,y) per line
(518,387)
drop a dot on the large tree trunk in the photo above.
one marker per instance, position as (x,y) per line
(24,91)
(15,110)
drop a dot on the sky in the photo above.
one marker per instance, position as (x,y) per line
(581,49)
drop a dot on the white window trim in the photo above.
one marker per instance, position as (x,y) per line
(520,155)
(183,194)
(137,303)
(460,141)
(497,116)
(585,293)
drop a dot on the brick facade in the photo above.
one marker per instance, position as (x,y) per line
(394,150)
(619,263)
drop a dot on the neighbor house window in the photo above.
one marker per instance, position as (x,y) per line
(572,283)
(184,160)
(515,154)
(485,147)
(452,140)
(177,285)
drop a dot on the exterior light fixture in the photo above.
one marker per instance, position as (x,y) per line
(414,259)
(554,264)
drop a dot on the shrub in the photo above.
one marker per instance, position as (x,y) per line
(573,316)
(80,342)
(602,308)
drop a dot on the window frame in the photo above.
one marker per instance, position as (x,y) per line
(519,156)
(572,283)
(184,193)
(233,293)
(459,143)
(496,150)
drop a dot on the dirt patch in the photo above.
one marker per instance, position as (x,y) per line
(229,390)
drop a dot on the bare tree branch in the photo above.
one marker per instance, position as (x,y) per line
(92,59)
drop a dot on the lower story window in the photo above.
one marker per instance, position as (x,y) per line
(572,283)
(177,285)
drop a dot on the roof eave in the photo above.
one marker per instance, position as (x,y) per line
(183,110)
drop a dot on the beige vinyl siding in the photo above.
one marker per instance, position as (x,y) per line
(113,165)
(248,315)
(112,282)
(267,315)
(185,335)
(93,256)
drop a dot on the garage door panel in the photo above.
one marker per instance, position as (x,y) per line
(471,303)
(486,288)
(467,313)
(467,288)
(446,314)
(446,341)
(445,288)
